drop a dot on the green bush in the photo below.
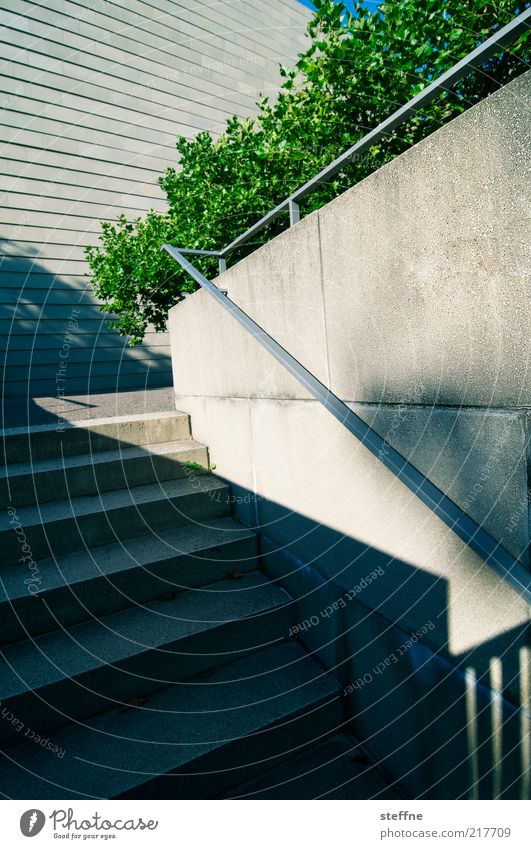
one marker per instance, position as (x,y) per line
(356,71)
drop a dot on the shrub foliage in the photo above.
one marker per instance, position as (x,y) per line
(356,70)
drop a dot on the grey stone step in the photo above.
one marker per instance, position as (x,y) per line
(42,442)
(72,587)
(334,769)
(95,666)
(37,482)
(61,526)
(188,741)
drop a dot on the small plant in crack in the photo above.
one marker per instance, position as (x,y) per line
(192,466)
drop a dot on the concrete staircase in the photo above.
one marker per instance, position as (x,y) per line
(144,653)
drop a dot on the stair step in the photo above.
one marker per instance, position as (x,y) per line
(72,587)
(188,741)
(61,526)
(78,672)
(82,474)
(334,769)
(41,442)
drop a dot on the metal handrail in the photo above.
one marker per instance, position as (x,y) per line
(486,546)
(499,39)
(479,540)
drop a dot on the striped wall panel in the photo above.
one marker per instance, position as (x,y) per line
(92,95)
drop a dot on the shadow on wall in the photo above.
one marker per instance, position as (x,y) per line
(443,727)
(55,341)
(476,456)
(440,715)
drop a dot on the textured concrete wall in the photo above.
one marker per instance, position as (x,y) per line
(92,96)
(407,295)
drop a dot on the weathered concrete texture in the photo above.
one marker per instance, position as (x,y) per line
(280,286)
(59,439)
(424,268)
(427,292)
(414,311)
(477,457)
(424,308)
(210,344)
(333,770)
(407,702)
(230,741)
(62,526)
(69,477)
(21,411)
(112,577)
(172,639)
(324,497)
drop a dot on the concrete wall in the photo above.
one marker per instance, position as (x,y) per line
(407,296)
(92,96)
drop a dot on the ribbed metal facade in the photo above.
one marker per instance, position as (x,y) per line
(92,95)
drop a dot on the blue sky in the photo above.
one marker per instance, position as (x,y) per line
(348,3)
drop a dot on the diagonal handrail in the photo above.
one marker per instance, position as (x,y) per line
(508,567)
(466,528)
(472,61)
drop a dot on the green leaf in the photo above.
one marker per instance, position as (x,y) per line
(356,70)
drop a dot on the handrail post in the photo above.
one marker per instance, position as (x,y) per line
(294,212)
(222,264)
